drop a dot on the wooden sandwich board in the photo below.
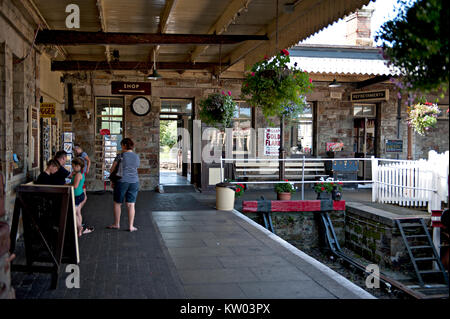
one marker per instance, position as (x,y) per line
(49,228)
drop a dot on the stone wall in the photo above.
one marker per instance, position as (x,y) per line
(302,228)
(144,131)
(374,235)
(19,93)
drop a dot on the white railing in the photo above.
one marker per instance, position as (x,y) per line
(421,183)
(301,171)
(411,183)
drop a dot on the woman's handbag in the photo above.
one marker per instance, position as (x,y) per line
(116,175)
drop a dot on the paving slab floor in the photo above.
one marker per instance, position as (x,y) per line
(185,249)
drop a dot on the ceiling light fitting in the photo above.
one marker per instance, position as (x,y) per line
(155,75)
(334,84)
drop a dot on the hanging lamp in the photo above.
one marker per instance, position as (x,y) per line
(155,75)
(334,84)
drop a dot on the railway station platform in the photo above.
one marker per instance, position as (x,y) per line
(184,249)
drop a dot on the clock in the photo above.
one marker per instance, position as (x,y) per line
(140,106)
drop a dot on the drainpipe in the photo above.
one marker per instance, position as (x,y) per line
(399,118)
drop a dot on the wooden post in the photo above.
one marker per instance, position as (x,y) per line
(282,151)
(409,156)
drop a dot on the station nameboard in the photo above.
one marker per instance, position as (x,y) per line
(394,146)
(131,88)
(381,95)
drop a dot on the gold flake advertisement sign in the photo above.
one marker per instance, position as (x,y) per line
(47,109)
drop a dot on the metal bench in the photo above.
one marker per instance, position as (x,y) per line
(294,170)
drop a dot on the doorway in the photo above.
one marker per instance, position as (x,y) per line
(175,142)
(364,136)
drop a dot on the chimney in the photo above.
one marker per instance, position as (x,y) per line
(359,26)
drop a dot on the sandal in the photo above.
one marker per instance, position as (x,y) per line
(88,229)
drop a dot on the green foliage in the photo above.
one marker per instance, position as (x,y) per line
(168,133)
(276,88)
(217,109)
(285,187)
(327,187)
(416,42)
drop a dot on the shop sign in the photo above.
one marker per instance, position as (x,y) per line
(381,95)
(131,88)
(47,109)
(271,141)
(394,146)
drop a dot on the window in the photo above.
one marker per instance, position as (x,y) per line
(444,112)
(176,106)
(242,129)
(364,110)
(302,132)
(109,116)
(19,118)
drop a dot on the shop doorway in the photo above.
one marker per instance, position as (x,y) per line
(175,138)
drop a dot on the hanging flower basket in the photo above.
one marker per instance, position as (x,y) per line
(276,88)
(423,116)
(217,110)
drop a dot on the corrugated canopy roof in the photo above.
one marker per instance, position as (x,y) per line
(344,60)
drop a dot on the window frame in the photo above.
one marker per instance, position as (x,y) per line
(97,130)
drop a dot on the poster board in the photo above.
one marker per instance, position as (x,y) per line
(49,225)
(272,141)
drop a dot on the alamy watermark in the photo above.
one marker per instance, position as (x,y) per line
(73,279)
(373,280)
(73,19)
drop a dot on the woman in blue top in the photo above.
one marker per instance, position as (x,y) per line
(128,186)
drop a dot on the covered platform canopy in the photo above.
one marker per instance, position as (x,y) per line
(178,34)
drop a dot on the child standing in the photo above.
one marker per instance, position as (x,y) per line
(78,182)
(87,165)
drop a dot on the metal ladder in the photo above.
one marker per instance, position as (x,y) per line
(419,229)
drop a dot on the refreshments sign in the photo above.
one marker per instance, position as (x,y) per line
(381,95)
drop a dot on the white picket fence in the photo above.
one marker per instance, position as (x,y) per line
(411,183)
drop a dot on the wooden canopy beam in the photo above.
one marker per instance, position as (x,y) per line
(227,17)
(63,37)
(168,10)
(128,65)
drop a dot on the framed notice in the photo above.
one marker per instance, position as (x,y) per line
(394,146)
(272,141)
(68,147)
(68,137)
(334,147)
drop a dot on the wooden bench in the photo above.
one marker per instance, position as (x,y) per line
(268,170)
